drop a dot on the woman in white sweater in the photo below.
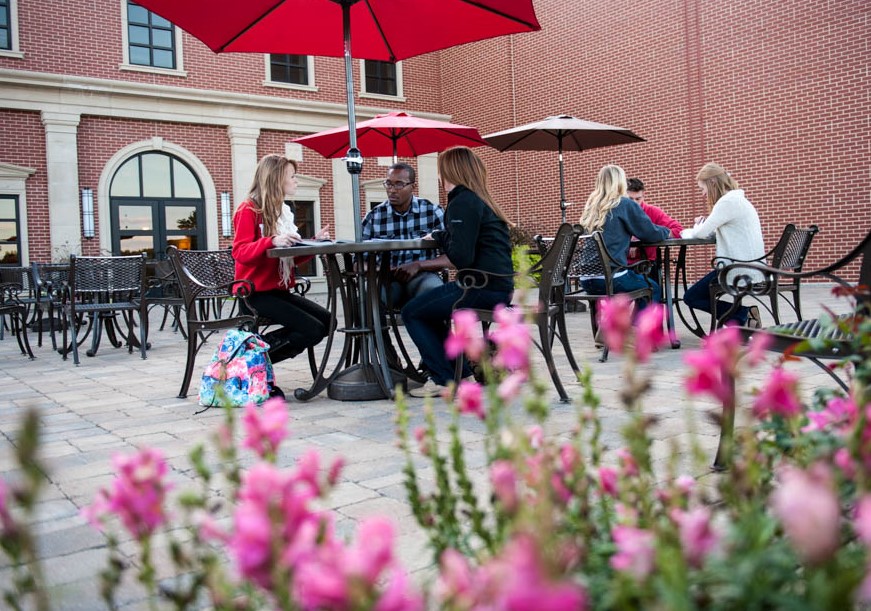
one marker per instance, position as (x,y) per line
(735,222)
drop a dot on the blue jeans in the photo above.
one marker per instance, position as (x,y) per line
(628,282)
(427,319)
(402,292)
(698,296)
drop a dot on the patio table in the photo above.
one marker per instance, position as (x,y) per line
(671,292)
(362,373)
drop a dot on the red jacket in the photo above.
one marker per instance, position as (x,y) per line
(658,217)
(249,251)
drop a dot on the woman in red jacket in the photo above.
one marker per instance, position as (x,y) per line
(262,222)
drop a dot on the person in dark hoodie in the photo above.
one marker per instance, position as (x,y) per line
(610,211)
(475,237)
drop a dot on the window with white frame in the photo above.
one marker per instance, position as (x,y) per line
(290,69)
(150,41)
(9,28)
(381,78)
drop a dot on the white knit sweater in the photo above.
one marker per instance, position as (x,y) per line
(736,223)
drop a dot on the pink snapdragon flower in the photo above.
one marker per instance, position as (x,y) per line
(863,519)
(608,480)
(372,552)
(635,551)
(712,369)
(6,521)
(265,427)
(503,476)
(137,494)
(838,416)
(465,336)
(512,339)
(470,399)
(615,321)
(697,535)
(509,388)
(399,595)
(779,396)
(649,334)
(807,505)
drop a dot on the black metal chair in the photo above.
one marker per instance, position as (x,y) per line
(206,280)
(788,255)
(100,288)
(810,339)
(164,292)
(548,313)
(592,260)
(22,278)
(12,306)
(50,280)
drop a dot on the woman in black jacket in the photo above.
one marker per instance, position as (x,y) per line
(475,237)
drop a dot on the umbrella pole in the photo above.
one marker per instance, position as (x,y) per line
(353,160)
(562,182)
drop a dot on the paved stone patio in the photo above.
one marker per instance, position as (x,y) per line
(115,402)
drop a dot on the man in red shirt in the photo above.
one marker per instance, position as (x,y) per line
(635,192)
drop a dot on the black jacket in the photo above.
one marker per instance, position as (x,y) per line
(475,237)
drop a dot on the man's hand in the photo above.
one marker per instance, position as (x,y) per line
(406,272)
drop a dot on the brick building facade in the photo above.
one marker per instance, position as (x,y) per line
(778,92)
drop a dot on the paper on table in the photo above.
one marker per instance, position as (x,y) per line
(312,242)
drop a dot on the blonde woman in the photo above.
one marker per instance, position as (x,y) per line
(735,222)
(610,211)
(476,237)
(262,221)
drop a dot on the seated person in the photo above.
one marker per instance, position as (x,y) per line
(407,217)
(635,192)
(619,219)
(736,224)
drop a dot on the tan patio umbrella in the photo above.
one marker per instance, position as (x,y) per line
(561,133)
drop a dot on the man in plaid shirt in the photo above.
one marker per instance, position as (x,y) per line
(406,217)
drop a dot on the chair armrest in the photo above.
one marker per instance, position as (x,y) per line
(302,286)
(470,278)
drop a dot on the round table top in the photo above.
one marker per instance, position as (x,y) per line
(328,247)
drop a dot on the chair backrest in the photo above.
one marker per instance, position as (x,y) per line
(554,265)
(792,248)
(19,277)
(115,278)
(200,271)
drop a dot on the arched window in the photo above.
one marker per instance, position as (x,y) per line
(156,201)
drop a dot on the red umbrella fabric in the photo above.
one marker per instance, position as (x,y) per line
(396,134)
(366,29)
(382,29)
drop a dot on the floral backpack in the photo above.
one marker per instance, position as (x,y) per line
(241,367)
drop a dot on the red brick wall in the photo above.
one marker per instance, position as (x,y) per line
(22,142)
(764,88)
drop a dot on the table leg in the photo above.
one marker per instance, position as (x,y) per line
(665,266)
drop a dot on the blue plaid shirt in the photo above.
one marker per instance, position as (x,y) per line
(421,218)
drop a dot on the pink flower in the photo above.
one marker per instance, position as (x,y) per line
(509,388)
(863,519)
(6,522)
(399,595)
(265,427)
(470,399)
(208,527)
(648,331)
(137,494)
(504,479)
(628,466)
(465,336)
(335,471)
(308,470)
(608,481)
(512,339)
(806,504)
(839,414)
(251,542)
(634,551)
(685,483)
(455,582)
(779,396)
(712,369)
(373,551)
(843,461)
(615,320)
(756,349)
(535,434)
(697,536)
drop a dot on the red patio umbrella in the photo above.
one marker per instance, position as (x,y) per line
(382,30)
(394,133)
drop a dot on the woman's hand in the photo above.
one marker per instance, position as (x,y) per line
(323,234)
(699,220)
(285,239)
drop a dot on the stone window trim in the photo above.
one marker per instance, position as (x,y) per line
(178,71)
(268,82)
(399,97)
(14,50)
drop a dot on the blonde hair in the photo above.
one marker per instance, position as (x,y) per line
(459,165)
(610,187)
(717,182)
(267,189)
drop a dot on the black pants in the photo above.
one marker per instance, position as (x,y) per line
(303,322)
